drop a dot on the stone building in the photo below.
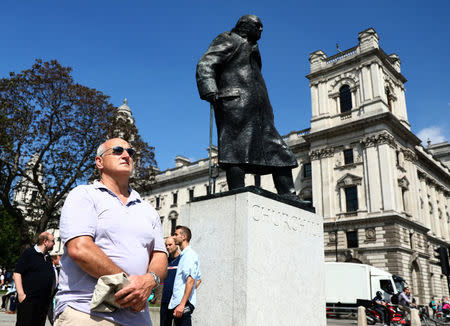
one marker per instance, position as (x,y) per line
(383,196)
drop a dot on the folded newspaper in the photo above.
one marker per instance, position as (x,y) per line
(107,285)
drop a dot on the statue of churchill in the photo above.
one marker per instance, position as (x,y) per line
(229,77)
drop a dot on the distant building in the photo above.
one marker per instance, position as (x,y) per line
(384,198)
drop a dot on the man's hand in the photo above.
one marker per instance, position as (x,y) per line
(178,312)
(135,294)
(22,297)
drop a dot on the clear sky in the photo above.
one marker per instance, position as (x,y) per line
(147,51)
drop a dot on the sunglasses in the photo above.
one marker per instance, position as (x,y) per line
(118,150)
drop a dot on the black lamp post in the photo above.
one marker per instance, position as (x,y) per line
(214,175)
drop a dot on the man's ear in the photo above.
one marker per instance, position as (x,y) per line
(99,162)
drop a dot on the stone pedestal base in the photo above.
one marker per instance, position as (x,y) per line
(262,262)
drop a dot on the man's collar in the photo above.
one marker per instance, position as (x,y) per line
(37,249)
(185,250)
(134,195)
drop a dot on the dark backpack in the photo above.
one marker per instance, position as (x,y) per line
(394,298)
(430,304)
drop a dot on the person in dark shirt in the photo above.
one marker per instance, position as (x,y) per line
(380,307)
(34,278)
(165,315)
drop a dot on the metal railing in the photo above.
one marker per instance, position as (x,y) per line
(342,55)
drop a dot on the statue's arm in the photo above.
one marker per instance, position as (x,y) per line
(219,52)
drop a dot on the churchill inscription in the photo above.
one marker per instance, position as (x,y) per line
(286,221)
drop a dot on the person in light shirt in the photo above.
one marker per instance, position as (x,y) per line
(107,228)
(183,300)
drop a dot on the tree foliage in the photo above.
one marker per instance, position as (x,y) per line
(50,130)
(9,240)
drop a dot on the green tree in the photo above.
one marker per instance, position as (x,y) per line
(51,128)
(9,240)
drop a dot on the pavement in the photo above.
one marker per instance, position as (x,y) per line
(339,322)
(10,320)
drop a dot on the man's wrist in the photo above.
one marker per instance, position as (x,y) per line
(156,278)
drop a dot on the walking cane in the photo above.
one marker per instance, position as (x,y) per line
(211,117)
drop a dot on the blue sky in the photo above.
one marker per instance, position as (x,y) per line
(147,52)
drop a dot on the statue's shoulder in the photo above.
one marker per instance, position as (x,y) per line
(228,37)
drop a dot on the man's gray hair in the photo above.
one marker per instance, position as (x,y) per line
(100,149)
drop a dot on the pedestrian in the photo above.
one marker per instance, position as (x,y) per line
(108,229)
(380,307)
(433,306)
(56,269)
(183,299)
(166,315)
(11,296)
(34,278)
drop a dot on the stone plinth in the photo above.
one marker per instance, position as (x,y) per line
(262,261)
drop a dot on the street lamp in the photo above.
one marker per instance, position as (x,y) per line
(214,175)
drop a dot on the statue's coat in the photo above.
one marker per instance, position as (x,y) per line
(247,135)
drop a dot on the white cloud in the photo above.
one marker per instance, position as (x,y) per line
(434,133)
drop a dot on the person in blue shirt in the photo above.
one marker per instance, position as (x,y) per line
(166,316)
(183,300)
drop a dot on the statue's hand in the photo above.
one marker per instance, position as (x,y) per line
(212,98)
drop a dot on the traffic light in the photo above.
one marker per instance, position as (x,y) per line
(442,257)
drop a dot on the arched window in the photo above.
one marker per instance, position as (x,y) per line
(345,97)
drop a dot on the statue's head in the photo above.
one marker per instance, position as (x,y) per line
(250,27)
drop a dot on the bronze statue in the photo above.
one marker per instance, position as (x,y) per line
(229,76)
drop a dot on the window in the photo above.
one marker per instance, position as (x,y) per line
(173,225)
(352,239)
(351,199)
(307,170)
(158,202)
(162,219)
(191,194)
(345,97)
(174,198)
(348,156)
(173,221)
(386,286)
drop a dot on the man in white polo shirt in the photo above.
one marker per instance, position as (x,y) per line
(107,229)
(184,296)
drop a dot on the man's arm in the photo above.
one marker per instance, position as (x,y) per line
(135,294)
(90,257)
(220,50)
(197,284)
(18,282)
(178,312)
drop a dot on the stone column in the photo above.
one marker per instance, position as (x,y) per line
(434,216)
(413,193)
(322,165)
(387,164)
(425,210)
(366,83)
(317,189)
(377,88)
(314,100)
(378,171)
